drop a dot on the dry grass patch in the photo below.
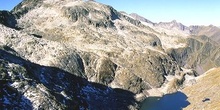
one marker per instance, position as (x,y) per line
(205,95)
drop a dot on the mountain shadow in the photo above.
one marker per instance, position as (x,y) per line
(51,87)
(11,98)
(8,19)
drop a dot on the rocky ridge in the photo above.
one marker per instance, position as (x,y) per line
(97,45)
(176,28)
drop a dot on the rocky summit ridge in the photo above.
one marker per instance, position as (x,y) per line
(176,28)
(73,54)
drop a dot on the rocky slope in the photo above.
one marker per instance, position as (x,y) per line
(201,54)
(201,45)
(212,31)
(91,56)
(107,39)
(29,85)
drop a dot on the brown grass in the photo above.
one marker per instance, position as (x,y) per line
(207,86)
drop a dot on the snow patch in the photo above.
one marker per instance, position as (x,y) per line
(10,73)
(15,84)
(64,94)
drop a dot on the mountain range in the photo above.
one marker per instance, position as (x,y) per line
(76,54)
(180,29)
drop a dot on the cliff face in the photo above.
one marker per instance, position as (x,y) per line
(91,56)
(201,54)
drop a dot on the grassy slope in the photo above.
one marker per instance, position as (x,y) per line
(207,86)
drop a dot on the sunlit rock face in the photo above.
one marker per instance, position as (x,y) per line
(73,54)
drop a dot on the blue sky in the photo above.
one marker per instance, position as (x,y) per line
(188,12)
(201,12)
(8,4)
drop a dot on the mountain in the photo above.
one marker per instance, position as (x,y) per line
(29,81)
(175,28)
(141,18)
(169,28)
(75,54)
(212,31)
(104,36)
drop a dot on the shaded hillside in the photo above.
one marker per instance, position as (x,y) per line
(7,19)
(26,85)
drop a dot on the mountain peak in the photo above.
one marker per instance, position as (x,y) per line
(140,18)
(72,9)
(171,25)
(174,22)
(27,5)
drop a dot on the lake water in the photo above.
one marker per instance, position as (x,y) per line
(175,101)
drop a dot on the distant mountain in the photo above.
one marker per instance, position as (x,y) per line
(211,31)
(172,25)
(170,28)
(138,17)
(175,28)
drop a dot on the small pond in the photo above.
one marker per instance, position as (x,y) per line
(175,101)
